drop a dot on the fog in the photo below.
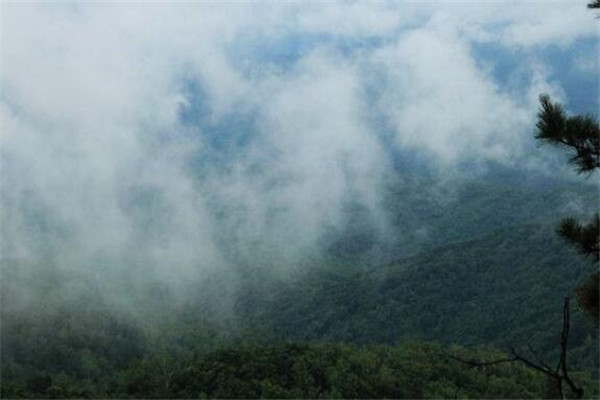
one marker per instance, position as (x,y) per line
(174,142)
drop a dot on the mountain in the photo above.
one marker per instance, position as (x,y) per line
(475,265)
(504,289)
(490,271)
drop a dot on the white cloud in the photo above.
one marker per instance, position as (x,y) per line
(96,164)
(441,102)
(352,19)
(553,24)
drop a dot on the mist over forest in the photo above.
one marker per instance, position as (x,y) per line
(292,200)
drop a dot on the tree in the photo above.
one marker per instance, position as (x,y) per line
(580,134)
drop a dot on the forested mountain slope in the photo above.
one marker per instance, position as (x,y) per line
(490,271)
(504,288)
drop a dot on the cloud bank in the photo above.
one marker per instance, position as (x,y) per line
(174,140)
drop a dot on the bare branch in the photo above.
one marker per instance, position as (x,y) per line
(564,338)
(539,358)
(561,372)
(482,364)
(533,365)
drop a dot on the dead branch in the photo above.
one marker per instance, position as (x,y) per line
(560,373)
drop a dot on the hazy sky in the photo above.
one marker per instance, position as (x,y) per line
(154,133)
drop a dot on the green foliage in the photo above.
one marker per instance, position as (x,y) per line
(583,237)
(587,295)
(305,370)
(579,133)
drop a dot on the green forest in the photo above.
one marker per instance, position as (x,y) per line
(296,370)
(340,329)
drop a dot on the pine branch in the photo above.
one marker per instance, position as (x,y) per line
(586,238)
(580,133)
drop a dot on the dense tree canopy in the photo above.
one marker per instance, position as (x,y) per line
(299,370)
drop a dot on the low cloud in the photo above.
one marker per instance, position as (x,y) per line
(101,169)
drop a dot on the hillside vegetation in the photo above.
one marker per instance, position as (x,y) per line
(484,280)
